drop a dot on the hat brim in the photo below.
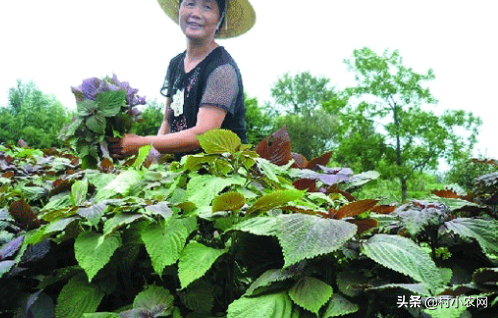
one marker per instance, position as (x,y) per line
(239,17)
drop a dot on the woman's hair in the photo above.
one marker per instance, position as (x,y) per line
(221,5)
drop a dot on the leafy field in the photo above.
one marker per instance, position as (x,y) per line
(233,232)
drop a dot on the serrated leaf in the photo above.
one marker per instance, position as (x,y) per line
(110,102)
(306,236)
(195,261)
(416,220)
(79,190)
(78,291)
(155,298)
(272,170)
(418,288)
(92,254)
(120,185)
(194,162)
(404,256)
(485,232)
(228,201)
(266,226)
(164,242)
(143,152)
(5,267)
(361,178)
(72,128)
(96,123)
(275,199)
(86,107)
(202,189)
(355,208)
(11,247)
(118,221)
(161,209)
(59,225)
(93,213)
(219,141)
(265,306)
(310,293)
(267,278)
(199,297)
(276,148)
(24,214)
(339,306)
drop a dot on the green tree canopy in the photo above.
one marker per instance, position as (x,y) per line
(33,116)
(298,101)
(258,122)
(392,97)
(301,93)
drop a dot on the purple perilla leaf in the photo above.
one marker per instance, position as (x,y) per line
(11,247)
(36,252)
(88,88)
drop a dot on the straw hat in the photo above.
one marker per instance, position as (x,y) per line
(239,17)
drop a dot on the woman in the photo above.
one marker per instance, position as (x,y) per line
(203,85)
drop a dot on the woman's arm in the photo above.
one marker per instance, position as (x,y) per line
(208,118)
(165,127)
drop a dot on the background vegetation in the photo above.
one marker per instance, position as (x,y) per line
(345,199)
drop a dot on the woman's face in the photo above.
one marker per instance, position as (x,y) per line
(199,18)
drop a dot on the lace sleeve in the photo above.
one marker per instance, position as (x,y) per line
(166,87)
(221,88)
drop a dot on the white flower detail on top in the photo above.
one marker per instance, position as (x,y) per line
(177,104)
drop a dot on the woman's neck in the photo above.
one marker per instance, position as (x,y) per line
(197,51)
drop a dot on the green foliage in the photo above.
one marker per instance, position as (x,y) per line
(33,116)
(306,236)
(394,96)
(311,134)
(151,119)
(464,171)
(301,93)
(195,261)
(258,122)
(310,293)
(78,291)
(272,305)
(92,254)
(404,256)
(167,250)
(104,109)
(298,99)
(339,306)
(228,234)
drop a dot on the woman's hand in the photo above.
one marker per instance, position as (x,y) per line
(127,146)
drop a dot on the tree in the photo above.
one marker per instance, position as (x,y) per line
(358,145)
(301,93)
(298,103)
(258,122)
(32,116)
(396,97)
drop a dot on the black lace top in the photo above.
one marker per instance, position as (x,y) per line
(215,81)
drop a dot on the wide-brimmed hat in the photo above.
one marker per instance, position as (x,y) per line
(239,17)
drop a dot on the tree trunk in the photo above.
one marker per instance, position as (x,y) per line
(403,189)
(399,160)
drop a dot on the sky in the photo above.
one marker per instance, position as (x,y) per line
(58,43)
